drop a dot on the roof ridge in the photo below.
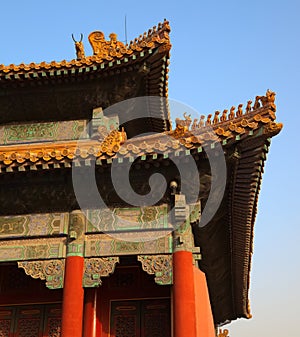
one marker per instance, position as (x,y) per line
(114,49)
(261,105)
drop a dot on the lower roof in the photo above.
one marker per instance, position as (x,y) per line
(227,240)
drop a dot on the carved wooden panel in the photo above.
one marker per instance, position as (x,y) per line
(28,327)
(6,322)
(125,319)
(155,320)
(52,325)
(30,321)
(144,318)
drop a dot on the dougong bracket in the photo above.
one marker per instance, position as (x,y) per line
(95,268)
(159,265)
(50,270)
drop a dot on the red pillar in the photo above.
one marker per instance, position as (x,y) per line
(72,309)
(184,295)
(90,315)
(205,321)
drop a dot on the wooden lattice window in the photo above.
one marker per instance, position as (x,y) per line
(144,318)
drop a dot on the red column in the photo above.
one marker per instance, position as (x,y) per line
(184,295)
(205,321)
(72,309)
(90,315)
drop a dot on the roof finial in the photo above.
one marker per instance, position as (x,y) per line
(79,47)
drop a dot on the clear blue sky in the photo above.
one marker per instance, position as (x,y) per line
(224,53)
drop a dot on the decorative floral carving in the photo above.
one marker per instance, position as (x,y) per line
(50,270)
(95,268)
(159,265)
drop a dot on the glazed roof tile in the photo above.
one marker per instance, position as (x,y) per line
(157,37)
(186,137)
(67,90)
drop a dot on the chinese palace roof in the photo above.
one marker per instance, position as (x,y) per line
(72,89)
(227,240)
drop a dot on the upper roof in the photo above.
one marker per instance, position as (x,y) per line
(105,52)
(68,90)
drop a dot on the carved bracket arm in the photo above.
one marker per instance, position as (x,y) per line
(95,268)
(50,270)
(159,265)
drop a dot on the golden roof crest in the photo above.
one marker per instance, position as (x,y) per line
(102,47)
